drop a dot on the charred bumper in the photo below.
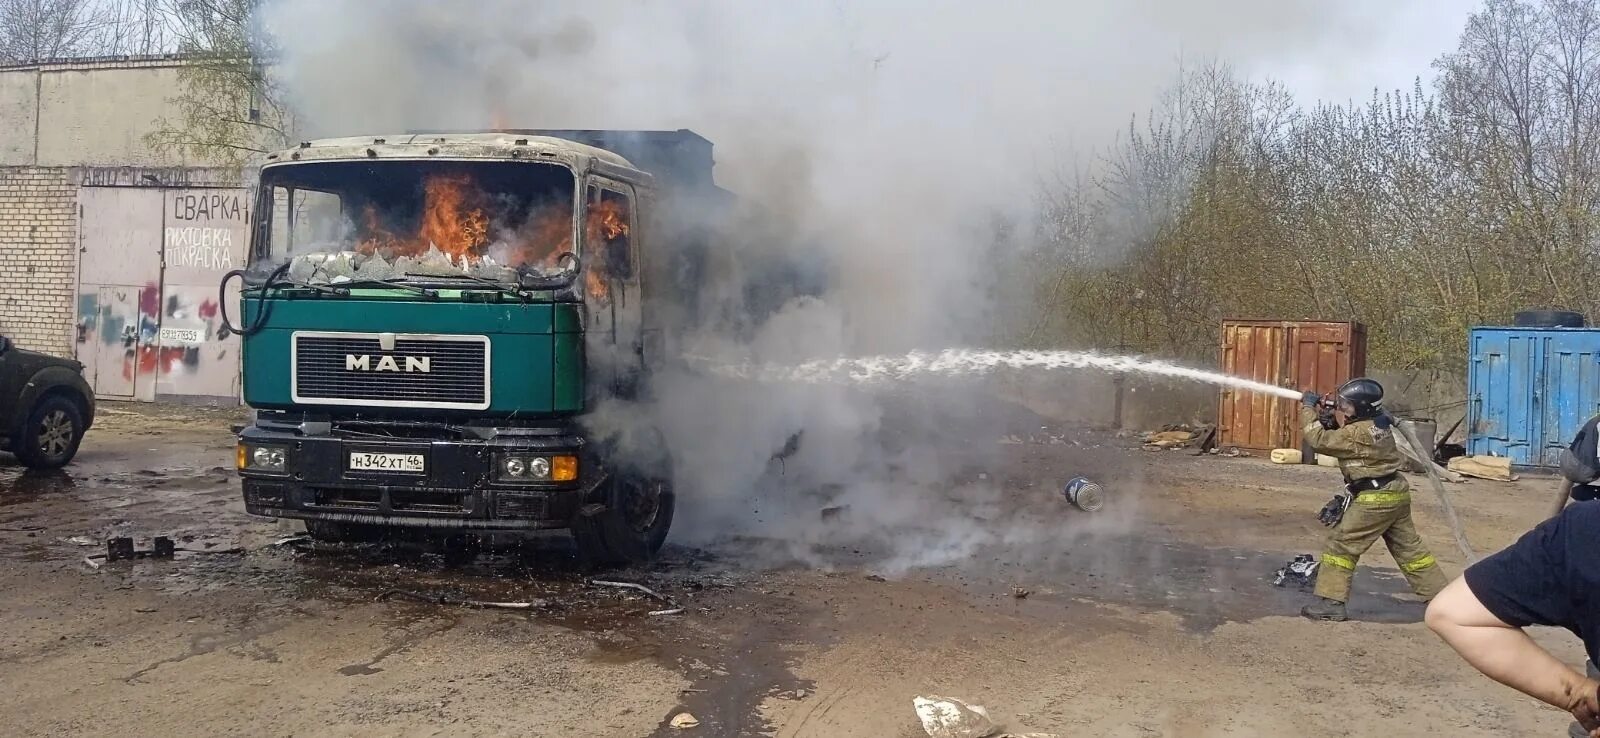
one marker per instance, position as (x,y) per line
(417,482)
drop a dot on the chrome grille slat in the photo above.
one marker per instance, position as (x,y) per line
(457,376)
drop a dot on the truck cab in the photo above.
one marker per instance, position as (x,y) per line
(429,316)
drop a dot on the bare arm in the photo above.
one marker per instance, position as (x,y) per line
(1507,655)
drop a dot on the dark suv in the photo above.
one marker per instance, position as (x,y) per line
(45,406)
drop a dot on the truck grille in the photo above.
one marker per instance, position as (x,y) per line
(416,371)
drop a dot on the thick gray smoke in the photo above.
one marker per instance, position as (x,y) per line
(886,139)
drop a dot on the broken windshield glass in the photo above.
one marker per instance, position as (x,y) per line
(365,221)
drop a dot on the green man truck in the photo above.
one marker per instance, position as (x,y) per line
(428,318)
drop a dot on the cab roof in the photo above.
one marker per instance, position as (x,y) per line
(447,146)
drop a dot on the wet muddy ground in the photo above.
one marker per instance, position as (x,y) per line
(1153,617)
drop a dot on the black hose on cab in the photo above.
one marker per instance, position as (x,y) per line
(261,300)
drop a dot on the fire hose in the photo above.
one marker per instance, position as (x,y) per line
(1450,515)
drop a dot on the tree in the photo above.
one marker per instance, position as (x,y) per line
(232,107)
(35,30)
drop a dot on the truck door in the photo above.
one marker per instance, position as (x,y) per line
(611,285)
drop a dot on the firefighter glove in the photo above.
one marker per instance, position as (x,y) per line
(1333,512)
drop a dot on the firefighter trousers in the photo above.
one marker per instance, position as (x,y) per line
(1386,514)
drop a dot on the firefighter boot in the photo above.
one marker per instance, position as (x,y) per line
(1325,609)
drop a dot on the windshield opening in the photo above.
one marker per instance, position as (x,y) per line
(384,220)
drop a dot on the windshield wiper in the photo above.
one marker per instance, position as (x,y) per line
(395,283)
(491,284)
(309,286)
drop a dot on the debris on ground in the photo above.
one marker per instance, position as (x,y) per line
(947,717)
(118,549)
(684,721)
(672,607)
(447,600)
(1494,468)
(81,541)
(1021,593)
(1301,571)
(1084,494)
(631,585)
(1181,436)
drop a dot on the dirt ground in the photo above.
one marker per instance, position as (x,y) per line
(1153,617)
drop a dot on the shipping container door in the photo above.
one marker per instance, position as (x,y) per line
(1254,351)
(1501,394)
(1320,362)
(1569,390)
(120,234)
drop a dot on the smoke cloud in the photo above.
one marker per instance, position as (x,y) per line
(884,141)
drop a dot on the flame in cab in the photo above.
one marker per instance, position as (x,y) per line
(459,220)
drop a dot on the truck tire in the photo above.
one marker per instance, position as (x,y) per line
(51,434)
(1548,319)
(632,526)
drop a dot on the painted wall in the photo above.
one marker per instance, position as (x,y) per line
(149,321)
(89,113)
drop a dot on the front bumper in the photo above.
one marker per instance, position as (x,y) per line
(456,490)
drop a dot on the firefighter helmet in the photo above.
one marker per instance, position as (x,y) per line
(1364,395)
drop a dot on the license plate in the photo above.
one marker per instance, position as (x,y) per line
(404,463)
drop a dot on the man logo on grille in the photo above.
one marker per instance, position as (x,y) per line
(363,363)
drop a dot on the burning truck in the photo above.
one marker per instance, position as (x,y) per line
(428,318)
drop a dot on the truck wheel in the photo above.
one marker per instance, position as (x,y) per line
(632,527)
(51,434)
(330,532)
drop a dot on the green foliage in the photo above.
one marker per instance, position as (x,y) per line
(230,106)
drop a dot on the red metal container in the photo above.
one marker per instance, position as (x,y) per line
(1310,355)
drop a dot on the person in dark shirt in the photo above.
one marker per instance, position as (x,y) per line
(1580,466)
(1551,576)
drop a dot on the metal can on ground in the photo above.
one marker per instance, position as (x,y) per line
(1085,495)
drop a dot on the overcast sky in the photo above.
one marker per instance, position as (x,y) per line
(1407,35)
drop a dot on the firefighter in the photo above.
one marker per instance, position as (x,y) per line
(1351,426)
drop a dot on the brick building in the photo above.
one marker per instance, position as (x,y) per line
(86,209)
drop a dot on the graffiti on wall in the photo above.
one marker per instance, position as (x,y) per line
(203,237)
(201,230)
(149,319)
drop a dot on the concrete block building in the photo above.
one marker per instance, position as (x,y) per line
(111,251)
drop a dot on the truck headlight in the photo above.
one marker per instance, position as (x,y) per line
(535,468)
(271,459)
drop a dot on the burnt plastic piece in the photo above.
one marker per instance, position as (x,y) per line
(118,549)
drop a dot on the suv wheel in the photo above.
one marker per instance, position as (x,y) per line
(51,434)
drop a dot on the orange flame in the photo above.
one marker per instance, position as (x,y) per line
(456,221)
(607,221)
(449,221)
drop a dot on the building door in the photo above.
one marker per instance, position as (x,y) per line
(108,364)
(120,242)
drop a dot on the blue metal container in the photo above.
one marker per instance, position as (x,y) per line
(1529,390)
